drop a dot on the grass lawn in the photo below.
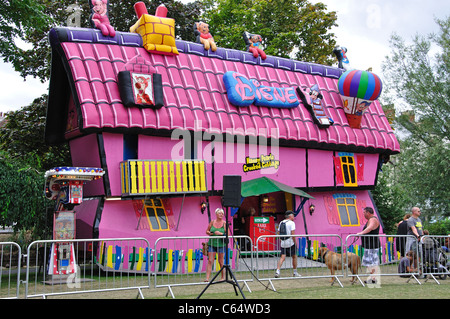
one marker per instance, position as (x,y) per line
(387,291)
(391,288)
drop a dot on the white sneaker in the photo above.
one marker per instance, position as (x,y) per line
(296,274)
(277,273)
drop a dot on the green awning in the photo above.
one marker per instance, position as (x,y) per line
(265,185)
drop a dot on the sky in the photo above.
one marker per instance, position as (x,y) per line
(364,28)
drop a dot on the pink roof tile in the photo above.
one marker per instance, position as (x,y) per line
(194,92)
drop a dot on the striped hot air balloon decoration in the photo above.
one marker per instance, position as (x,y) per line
(358,89)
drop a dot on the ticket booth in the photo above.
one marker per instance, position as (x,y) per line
(262,226)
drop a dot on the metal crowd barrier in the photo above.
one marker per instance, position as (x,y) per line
(182,261)
(56,267)
(97,265)
(309,249)
(434,254)
(10,267)
(381,255)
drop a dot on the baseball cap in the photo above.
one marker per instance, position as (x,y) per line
(288,212)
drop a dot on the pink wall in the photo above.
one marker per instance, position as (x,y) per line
(119,219)
(192,221)
(85,153)
(85,214)
(298,167)
(230,159)
(155,147)
(370,169)
(113,144)
(295,166)
(325,221)
(322,174)
(320,168)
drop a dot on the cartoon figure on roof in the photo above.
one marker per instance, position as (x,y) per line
(343,62)
(315,106)
(201,30)
(99,17)
(253,43)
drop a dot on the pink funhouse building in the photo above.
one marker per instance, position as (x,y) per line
(162,162)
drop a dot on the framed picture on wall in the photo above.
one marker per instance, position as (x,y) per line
(141,90)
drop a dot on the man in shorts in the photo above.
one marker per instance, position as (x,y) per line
(371,244)
(415,232)
(288,245)
(415,229)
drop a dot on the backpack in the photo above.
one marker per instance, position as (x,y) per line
(283,230)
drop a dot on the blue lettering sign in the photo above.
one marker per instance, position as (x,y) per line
(244,92)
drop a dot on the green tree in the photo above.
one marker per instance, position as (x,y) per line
(292,29)
(390,198)
(22,201)
(22,138)
(19,20)
(295,29)
(24,155)
(29,21)
(24,158)
(417,82)
(420,81)
(423,173)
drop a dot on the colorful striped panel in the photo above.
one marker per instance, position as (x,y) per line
(162,177)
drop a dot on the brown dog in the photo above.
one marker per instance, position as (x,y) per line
(205,249)
(334,262)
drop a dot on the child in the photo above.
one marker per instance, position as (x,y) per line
(405,264)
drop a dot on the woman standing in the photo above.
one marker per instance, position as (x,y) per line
(216,245)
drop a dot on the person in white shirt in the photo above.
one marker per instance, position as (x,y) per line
(288,245)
